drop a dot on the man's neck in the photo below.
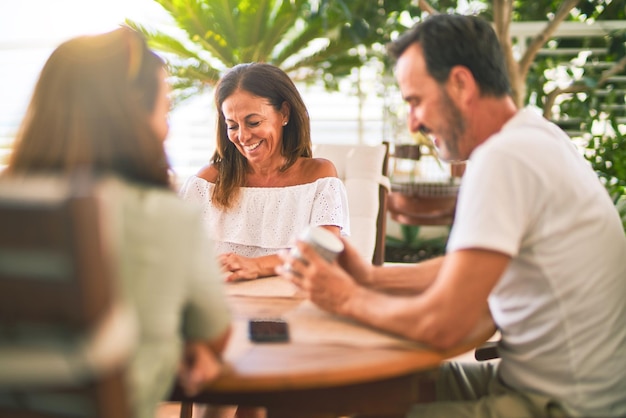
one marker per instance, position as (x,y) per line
(490,115)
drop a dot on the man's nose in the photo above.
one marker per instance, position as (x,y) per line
(414,122)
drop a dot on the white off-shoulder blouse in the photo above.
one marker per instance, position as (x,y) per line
(268,219)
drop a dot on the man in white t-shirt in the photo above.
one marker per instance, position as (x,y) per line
(537,243)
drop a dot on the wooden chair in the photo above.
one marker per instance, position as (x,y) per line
(64,336)
(363,169)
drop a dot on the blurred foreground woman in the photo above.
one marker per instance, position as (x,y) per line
(101,105)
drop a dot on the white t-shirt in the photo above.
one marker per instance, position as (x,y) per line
(561,303)
(268,219)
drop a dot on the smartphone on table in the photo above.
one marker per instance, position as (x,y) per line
(268,330)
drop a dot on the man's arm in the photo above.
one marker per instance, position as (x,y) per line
(406,278)
(397,279)
(443,315)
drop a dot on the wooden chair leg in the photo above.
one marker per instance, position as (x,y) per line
(288,414)
(487,351)
(186,410)
(379,416)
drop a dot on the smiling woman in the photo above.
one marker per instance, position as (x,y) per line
(263,171)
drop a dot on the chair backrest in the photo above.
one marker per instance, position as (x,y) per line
(65,338)
(363,169)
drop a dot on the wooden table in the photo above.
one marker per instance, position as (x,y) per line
(320,379)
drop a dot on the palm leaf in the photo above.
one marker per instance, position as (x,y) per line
(219,34)
(207,23)
(163,42)
(281,21)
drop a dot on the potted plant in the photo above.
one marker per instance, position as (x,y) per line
(423,189)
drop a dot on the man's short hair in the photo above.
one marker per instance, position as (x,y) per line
(448,40)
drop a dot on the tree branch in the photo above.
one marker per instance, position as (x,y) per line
(426,7)
(543,37)
(502,11)
(580,88)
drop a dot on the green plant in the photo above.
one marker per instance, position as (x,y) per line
(320,40)
(621,209)
(411,248)
(606,151)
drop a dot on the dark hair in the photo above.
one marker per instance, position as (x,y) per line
(272,83)
(448,40)
(91,110)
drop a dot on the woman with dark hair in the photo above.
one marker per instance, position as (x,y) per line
(263,187)
(101,106)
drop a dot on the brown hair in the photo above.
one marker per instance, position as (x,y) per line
(91,110)
(272,83)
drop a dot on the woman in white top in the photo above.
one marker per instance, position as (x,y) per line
(263,187)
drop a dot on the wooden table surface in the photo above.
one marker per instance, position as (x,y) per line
(316,378)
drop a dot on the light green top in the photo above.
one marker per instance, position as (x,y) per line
(170,275)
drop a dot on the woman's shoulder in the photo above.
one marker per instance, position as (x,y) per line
(312,169)
(151,202)
(208,173)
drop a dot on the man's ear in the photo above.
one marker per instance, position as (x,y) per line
(462,86)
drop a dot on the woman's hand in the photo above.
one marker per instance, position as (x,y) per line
(199,367)
(239,267)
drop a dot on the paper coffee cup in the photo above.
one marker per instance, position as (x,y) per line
(324,242)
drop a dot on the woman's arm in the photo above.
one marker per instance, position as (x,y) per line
(246,268)
(201,362)
(206,320)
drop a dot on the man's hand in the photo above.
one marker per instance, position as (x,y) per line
(199,367)
(327,285)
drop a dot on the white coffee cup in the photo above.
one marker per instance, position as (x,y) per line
(324,242)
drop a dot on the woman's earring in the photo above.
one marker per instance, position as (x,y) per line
(284,123)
